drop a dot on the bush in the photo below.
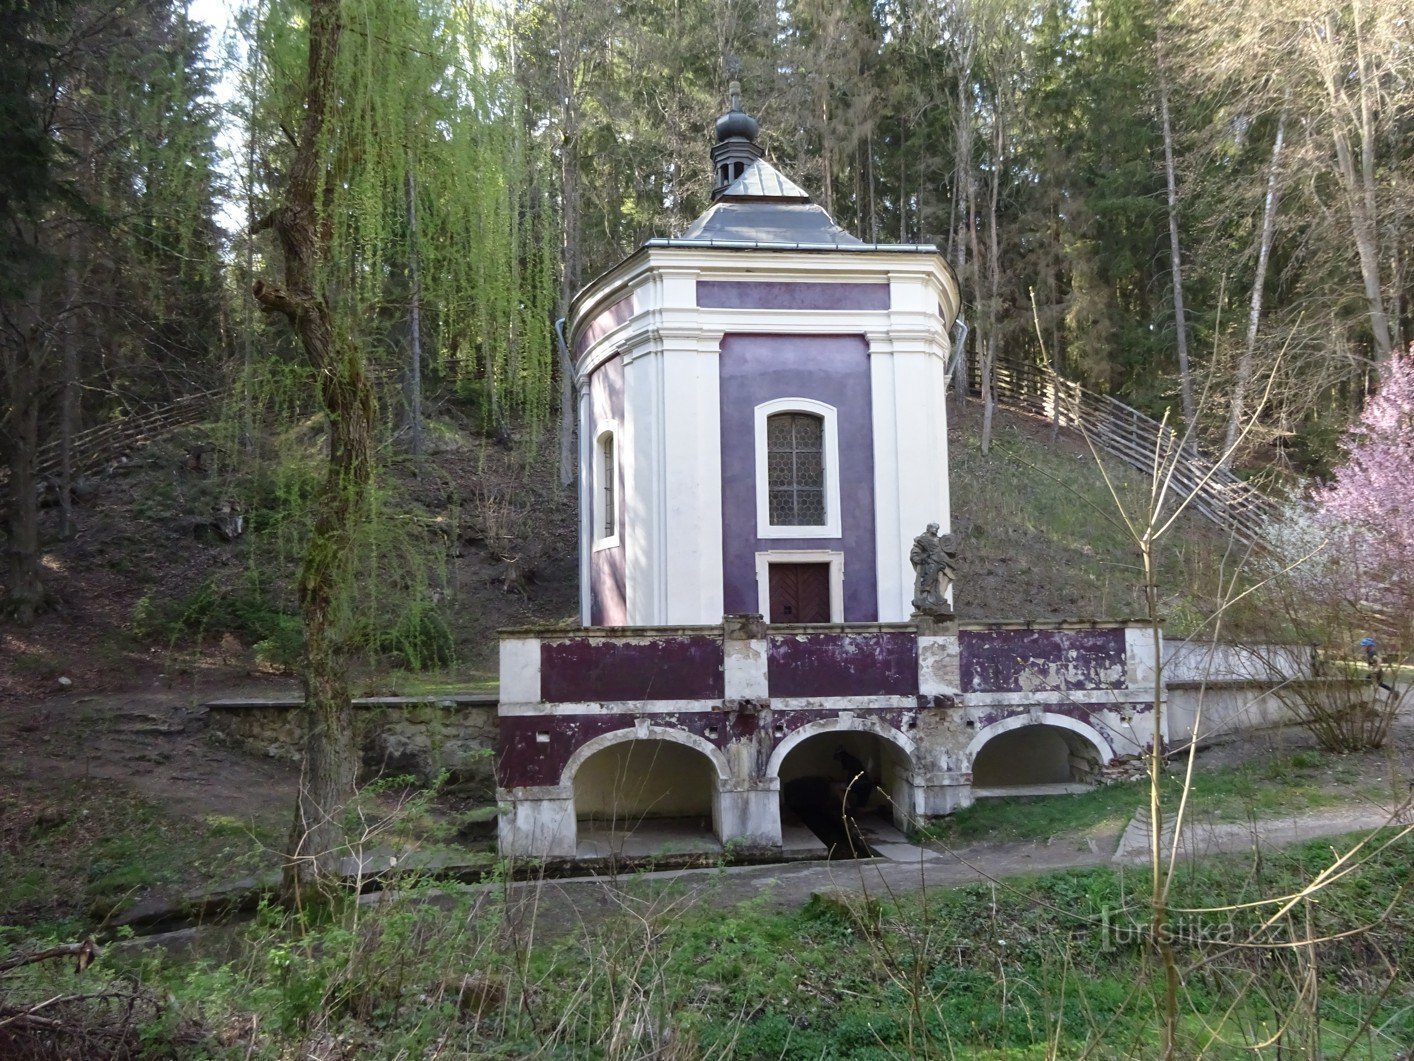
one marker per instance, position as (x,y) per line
(420,640)
(214,610)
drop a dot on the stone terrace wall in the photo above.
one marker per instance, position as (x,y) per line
(396,735)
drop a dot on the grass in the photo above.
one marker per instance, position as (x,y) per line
(80,852)
(1284,785)
(1040,538)
(1044,966)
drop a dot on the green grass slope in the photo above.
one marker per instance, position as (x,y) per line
(1040,535)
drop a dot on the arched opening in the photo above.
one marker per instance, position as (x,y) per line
(1036,759)
(843,790)
(639,798)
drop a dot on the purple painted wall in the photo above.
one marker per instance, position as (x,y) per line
(524,759)
(738,294)
(665,668)
(1041,660)
(608,603)
(602,325)
(831,369)
(834,664)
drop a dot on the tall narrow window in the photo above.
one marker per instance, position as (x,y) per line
(608,480)
(795,469)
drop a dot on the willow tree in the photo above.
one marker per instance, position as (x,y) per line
(386,112)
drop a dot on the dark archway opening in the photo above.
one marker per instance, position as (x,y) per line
(645,798)
(840,787)
(1049,758)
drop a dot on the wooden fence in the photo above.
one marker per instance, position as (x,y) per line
(96,446)
(1127,434)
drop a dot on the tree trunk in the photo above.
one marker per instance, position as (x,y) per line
(317,839)
(414,385)
(1185,377)
(964,208)
(1254,314)
(994,272)
(569,253)
(68,398)
(27,596)
(1359,188)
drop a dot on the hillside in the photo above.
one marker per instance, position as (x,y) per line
(1040,537)
(146,594)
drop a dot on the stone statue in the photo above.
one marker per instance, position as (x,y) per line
(934,570)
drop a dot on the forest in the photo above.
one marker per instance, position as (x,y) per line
(1190,205)
(313,258)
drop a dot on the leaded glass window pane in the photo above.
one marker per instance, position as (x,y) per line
(795,469)
(608,484)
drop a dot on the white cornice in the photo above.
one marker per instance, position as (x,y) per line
(651,264)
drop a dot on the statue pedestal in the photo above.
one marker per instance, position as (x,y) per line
(934,623)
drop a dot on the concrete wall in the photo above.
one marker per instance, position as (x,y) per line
(1215,689)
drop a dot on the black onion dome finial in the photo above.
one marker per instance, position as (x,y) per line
(736,123)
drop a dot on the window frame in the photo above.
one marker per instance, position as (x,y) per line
(830,451)
(606,489)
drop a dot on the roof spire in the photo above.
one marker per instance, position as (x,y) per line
(736,147)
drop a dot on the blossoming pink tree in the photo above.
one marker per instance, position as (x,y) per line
(1368,508)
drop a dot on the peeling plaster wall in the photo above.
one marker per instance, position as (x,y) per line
(665,668)
(776,703)
(1029,661)
(843,664)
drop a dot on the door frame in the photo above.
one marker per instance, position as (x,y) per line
(834,558)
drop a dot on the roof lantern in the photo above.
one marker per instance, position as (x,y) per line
(736,148)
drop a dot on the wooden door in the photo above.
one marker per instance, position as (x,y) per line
(800,593)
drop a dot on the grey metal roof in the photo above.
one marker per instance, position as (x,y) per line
(767,221)
(764,181)
(763,205)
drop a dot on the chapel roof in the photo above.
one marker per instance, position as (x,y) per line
(753,203)
(765,206)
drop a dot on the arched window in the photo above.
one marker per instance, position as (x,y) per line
(606,486)
(795,469)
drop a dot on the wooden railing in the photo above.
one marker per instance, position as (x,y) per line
(1125,433)
(96,446)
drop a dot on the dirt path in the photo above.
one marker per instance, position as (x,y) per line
(553,908)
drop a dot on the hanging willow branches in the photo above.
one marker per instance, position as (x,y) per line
(395,175)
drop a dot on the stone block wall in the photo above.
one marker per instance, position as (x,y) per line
(396,735)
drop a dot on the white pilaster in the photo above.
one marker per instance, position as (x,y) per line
(691,457)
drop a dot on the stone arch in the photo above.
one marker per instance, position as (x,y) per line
(621,784)
(664,733)
(894,768)
(1059,749)
(838,725)
(1045,718)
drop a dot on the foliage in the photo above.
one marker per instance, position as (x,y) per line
(213,610)
(1032,966)
(1368,502)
